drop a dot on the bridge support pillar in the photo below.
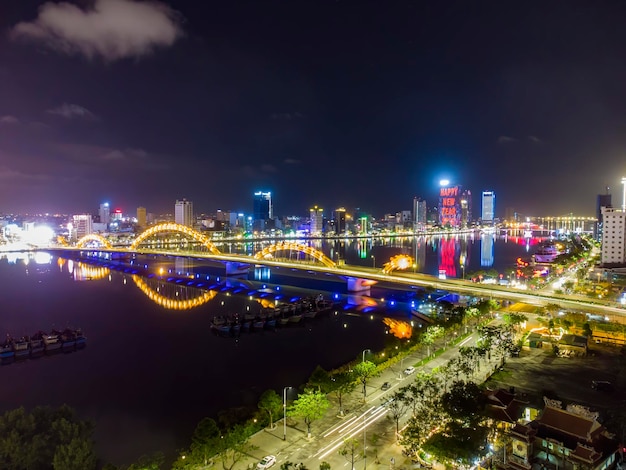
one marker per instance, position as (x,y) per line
(362,286)
(234,268)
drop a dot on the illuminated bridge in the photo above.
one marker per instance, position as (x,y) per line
(358,278)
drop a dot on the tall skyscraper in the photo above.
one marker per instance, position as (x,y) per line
(488,207)
(141,217)
(262,209)
(183,213)
(317,219)
(419,214)
(105,213)
(340,220)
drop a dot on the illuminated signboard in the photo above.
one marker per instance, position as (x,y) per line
(450,206)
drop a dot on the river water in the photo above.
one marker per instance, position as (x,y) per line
(153,367)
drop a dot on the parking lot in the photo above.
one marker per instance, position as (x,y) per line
(538,372)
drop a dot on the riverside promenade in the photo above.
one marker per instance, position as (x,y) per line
(364,421)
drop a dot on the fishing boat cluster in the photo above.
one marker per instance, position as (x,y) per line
(270,318)
(41,343)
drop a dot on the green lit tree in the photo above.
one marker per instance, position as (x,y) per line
(272,404)
(342,383)
(310,406)
(364,371)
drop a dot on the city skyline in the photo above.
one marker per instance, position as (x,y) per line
(336,105)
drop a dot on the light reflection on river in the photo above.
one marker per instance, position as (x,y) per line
(152,368)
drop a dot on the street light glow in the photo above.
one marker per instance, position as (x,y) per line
(444,182)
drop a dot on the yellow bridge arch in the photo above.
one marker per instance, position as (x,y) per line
(292,246)
(93,237)
(174,227)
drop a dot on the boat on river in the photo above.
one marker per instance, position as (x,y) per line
(52,342)
(7,354)
(21,347)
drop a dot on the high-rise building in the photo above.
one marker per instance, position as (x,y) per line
(262,209)
(340,220)
(466,208)
(183,213)
(105,213)
(450,210)
(604,200)
(419,214)
(488,207)
(317,219)
(141,217)
(82,224)
(613,236)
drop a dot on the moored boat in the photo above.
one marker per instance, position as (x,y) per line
(295,318)
(21,347)
(68,340)
(270,323)
(81,340)
(7,355)
(37,346)
(52,342)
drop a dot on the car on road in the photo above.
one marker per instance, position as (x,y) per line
(385,386)
(602,385)
(266,462)
(409,370)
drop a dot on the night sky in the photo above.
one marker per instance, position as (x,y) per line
(334,103)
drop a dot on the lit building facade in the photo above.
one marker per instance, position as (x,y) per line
(613,236)
(604,200)
(316,215)
(419,214)
(450,210)
(339,221)
(141,217)
(183,213)
(82,224)
(488,211)
(262,209)
(105,213)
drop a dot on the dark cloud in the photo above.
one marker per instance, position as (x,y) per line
(534,139)
(109,30)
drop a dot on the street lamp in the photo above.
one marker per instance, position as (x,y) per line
(285,413)
(373,261)
(364,351)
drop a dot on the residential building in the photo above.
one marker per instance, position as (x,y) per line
(613,236)
(82,224)
(183,213)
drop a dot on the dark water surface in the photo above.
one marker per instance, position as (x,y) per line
(149,373)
